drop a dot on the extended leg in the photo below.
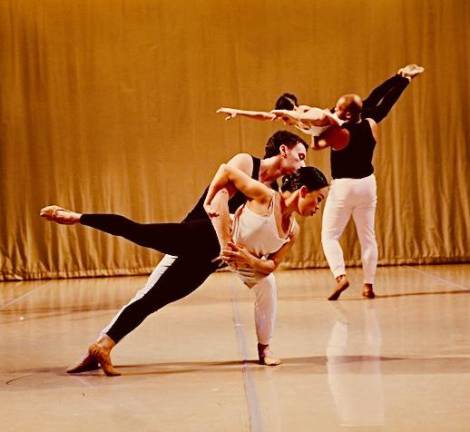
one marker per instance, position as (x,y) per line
(173,279)
(178,239)
(381,100)
(379,103)
(191,237)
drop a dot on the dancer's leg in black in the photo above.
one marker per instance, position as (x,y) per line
(381,100)
(197,237)
(378,93)
(180,278)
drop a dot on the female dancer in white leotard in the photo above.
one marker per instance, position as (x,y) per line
(265,226)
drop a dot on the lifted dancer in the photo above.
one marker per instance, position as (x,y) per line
(315,121)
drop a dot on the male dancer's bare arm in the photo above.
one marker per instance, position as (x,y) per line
(222,224)
(230,175)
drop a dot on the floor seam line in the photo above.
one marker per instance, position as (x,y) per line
(254,413)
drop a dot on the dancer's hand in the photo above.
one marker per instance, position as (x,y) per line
(231,112)
(236,255)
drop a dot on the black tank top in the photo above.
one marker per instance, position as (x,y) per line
(355,160)
(236,201)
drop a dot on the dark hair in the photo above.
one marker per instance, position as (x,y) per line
(287,101)
(310,177)
(282,137)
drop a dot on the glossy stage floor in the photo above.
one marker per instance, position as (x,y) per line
(400,362)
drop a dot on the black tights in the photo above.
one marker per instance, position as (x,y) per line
(193,242)
(178,278)
(381,100)
(184,238)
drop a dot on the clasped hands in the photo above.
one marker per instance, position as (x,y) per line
(235,256)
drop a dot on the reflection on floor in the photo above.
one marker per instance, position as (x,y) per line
(400,362)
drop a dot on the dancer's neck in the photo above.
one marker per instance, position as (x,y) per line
(289,203)
(270,169)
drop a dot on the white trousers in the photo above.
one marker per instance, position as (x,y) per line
(346,198)
(265,308)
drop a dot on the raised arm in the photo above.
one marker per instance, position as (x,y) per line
(228,175)
(219,206)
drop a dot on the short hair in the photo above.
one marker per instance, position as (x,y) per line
(286,101)
(279,138)
(353,104)
(310,177)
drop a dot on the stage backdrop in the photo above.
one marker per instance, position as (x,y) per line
(109,106)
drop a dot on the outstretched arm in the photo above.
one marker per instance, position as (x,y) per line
(310,116)
(256,115)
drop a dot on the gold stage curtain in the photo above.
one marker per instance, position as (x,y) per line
(109,106)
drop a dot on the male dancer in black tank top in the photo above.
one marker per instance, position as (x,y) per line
(353,191)
(177,276)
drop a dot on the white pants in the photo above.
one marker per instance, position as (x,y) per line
(265,308)
(356,197)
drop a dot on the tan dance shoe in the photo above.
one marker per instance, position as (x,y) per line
(60,215)
(341,284)
(265,356)
(102,356)
(368,291)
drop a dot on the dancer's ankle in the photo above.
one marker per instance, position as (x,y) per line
(368,291)
(105,342)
